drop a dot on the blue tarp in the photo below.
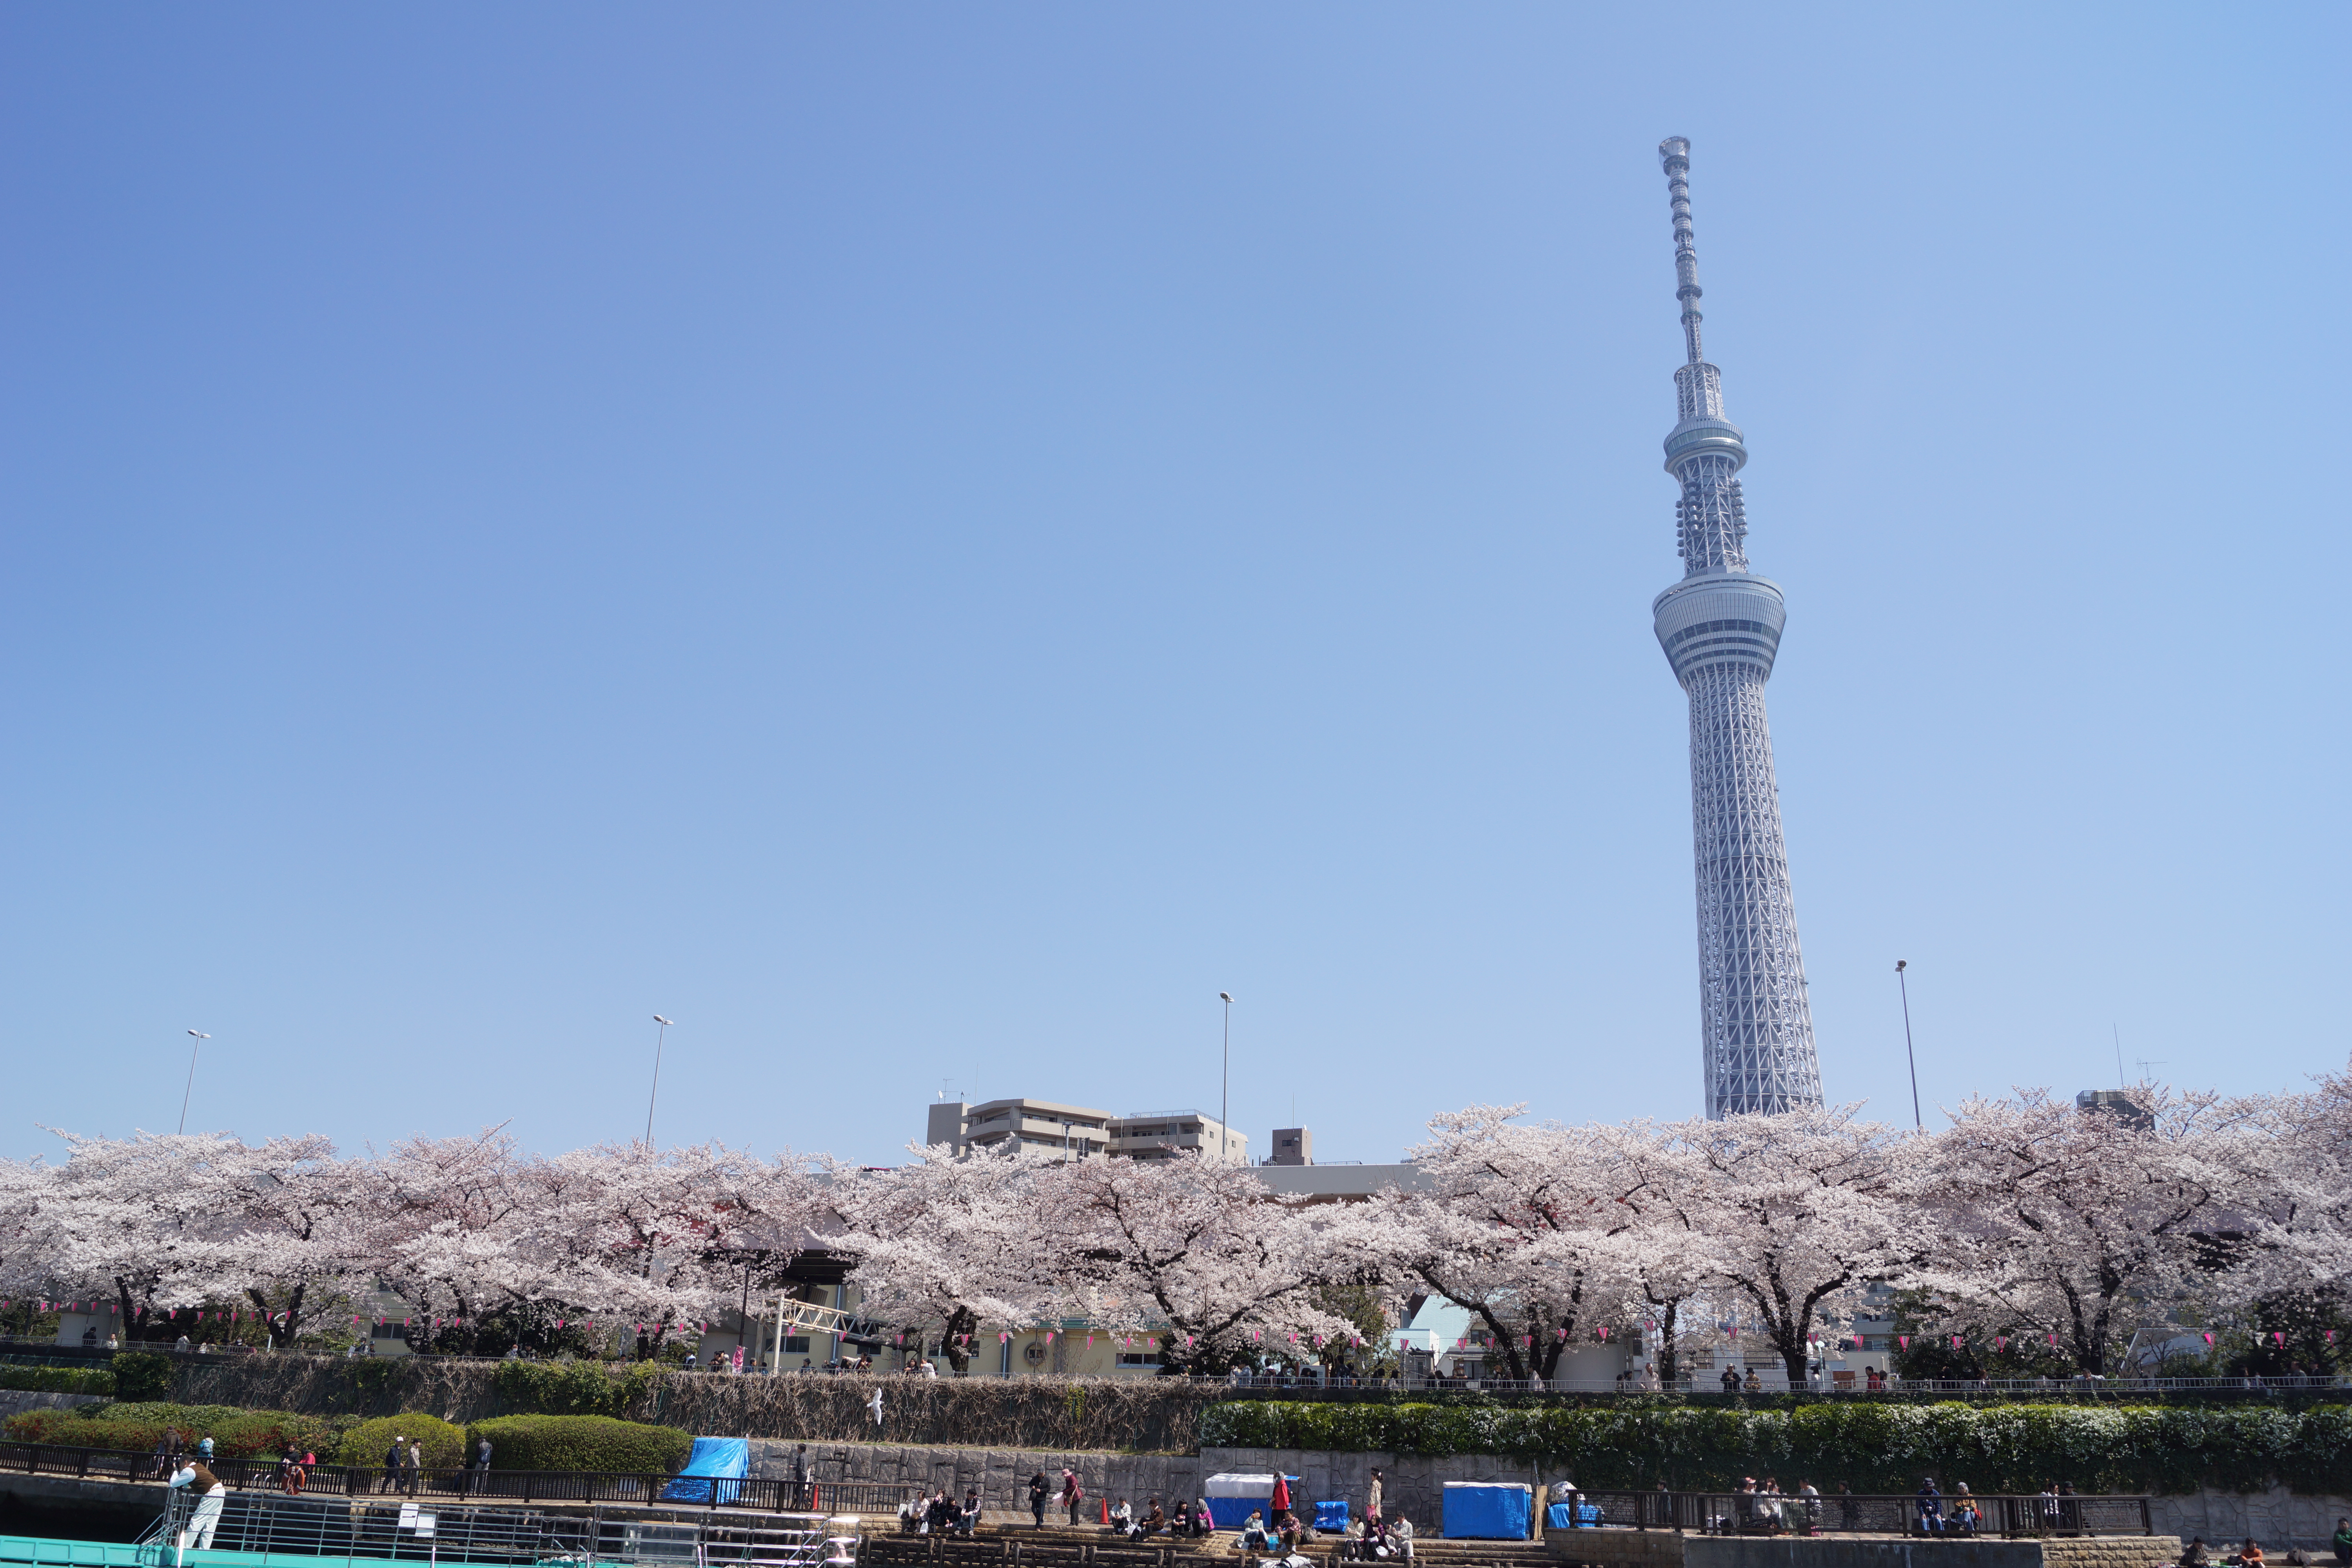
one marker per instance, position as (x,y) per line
(1331,1515)
(1234,1496)
(719,1460)
(1557,1516)
(1480,1510)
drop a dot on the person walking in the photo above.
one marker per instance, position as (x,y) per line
(393,1457)
(801,1478)
(412,1467)
(1730,1381)
(1073,1494)
(1038,1492)
(480,1481)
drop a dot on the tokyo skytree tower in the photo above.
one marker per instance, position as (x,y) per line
(1721,626)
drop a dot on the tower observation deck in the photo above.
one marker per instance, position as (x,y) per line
(1720,628)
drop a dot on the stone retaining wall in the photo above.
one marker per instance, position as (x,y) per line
(1073,1413)
(2276,1518)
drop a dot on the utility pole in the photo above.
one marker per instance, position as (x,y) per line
(1917,1120)
(660,1035)
(191,1088)
(1225,1086)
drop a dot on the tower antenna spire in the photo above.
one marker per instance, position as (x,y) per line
(1675,152)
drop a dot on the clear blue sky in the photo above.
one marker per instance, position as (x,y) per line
(924,542)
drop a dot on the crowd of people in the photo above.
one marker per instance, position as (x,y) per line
(2196,1555)
(1276,1531)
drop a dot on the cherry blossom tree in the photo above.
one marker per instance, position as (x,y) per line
(2085,1223)
(1512,1225)
(1794,1213)
(1660,1264)
(132,1219)
(449,1216)
(1195,1253)
(287,1219)
(2303,1164)
(948,1243)
(654,1237)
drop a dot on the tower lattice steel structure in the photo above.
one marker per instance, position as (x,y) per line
(1720,627)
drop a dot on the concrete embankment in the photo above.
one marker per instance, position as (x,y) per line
(14,1401)
(1664,1549)
(1415,1483)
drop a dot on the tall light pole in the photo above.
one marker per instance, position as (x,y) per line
(1225,1085)
(201,1039)
(1906,984)
(660,1035)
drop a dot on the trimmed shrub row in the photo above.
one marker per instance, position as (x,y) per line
(1871,1447)
(235,1434)
(574,1388)
(367,1443)
(57,1379)
(580,1443)
(517,1442)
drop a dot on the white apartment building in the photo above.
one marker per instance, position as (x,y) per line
(1081,1131)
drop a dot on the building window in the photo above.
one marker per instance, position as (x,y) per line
(796,1344)
(1139,1358)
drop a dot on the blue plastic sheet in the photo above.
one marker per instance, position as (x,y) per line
(1331,1515)
(715,1462)
(1234,1496)
(1558,1517)
(1480,1511)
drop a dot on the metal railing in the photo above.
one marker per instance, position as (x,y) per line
(1845,1513)
(304,1530)
(1706,1382)
(258,1476)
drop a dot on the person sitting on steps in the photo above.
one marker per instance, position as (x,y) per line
(1253,1538)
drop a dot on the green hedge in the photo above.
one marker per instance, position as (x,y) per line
(235,1434)
(1871,1447)
(579,1443)
(142,1374)
(57,1379)
(573,1387)
(367,1443)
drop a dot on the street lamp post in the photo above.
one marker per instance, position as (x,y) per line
(660,1035)
(1225,1085)
(191,1088)
(1900,980)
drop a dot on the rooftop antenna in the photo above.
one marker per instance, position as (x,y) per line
(2120,1083)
